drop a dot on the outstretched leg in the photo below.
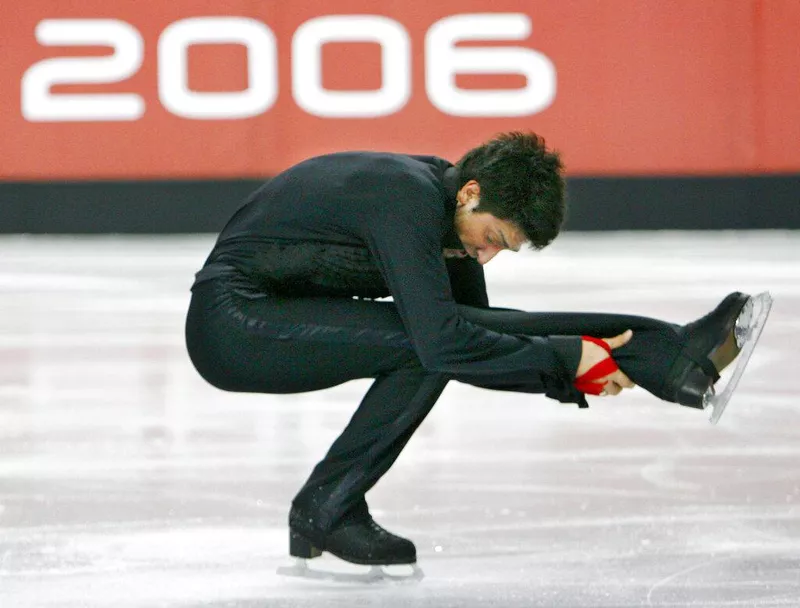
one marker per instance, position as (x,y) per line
(646,358)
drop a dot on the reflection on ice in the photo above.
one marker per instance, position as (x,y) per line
(351,573)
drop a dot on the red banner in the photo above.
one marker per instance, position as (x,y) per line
(203,89)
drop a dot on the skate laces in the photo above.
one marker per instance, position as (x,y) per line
(380,530)
(382,534)
(586,383)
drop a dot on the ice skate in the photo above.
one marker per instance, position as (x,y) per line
(390,558)
(730,332)
(747,331)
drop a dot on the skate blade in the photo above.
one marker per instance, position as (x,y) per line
(375,574)
(748,330)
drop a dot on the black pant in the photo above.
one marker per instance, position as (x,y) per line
(242,340)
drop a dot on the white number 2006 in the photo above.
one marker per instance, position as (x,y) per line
(443,61)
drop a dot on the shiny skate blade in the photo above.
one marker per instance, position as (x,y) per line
(748,330)
(375,574)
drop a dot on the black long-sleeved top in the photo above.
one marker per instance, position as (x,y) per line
(394,214)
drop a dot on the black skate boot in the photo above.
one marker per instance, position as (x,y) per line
(710,346)
(360,542)
(731,331)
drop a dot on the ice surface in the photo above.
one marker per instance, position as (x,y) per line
(126,481)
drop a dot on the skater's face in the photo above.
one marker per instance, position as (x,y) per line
(482,234)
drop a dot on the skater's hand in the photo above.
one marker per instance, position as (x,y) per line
(593,354)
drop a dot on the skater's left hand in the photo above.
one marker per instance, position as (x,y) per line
(598,373)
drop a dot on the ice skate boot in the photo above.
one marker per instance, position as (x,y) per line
(361,542)
(713,342)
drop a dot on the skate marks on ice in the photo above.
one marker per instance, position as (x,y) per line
(744,592)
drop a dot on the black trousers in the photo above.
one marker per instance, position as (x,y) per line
(243,340)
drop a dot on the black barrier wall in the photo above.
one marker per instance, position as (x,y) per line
(607,203)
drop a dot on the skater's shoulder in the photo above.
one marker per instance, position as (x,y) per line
(387,168)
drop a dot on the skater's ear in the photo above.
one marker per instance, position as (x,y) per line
(470,193)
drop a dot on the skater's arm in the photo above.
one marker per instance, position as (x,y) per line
(467,282)
(406,243)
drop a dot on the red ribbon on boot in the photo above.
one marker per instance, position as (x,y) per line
(585,383)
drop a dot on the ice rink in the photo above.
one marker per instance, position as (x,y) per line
(126,481)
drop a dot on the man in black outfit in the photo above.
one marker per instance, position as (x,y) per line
(288,301)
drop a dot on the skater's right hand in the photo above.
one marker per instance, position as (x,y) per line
(592,354)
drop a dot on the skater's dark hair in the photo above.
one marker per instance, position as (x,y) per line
(520,181)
